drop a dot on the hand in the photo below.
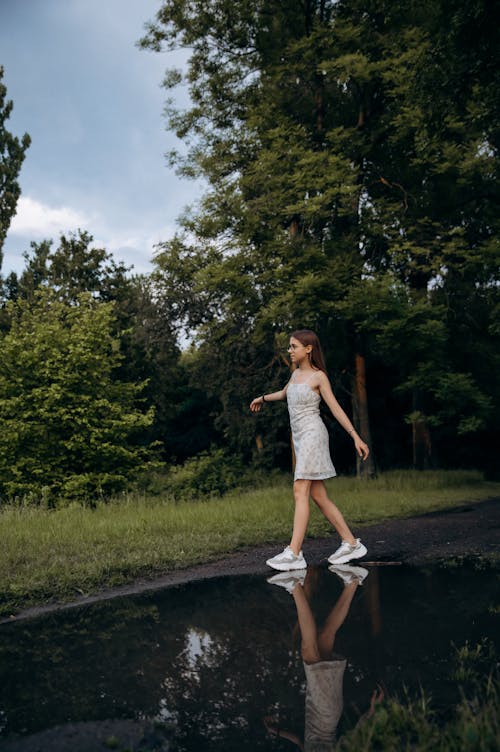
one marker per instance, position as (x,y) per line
(377,697)
(271,725)
(256,404)
(361,447)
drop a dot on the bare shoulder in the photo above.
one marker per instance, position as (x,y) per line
(322,382)
(320,379)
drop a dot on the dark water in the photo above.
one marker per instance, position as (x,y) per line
(208,665)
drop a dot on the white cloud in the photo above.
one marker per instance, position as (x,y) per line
(130,240)
(38,220)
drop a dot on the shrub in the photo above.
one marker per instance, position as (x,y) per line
(210,473)
(68,422)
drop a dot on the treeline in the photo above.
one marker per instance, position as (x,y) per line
(350,153)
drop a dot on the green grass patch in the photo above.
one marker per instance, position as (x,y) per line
(415,723)
(58,554)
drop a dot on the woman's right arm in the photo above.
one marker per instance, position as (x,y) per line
(256,404)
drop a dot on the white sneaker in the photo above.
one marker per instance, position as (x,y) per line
(345,552)
(348,573)
(288,580)
(287,560)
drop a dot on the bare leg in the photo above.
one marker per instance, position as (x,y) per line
(336,618)
(301,515)
(318,646)
(331,512)
(308,633)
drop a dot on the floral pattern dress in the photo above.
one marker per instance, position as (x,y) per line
(309,434)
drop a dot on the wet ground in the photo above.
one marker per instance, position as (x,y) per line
(469,530)
(216,662)
(218,665)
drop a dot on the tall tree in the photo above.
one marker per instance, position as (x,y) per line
(276,240)
(339,162)
(432,216)
(75,266)
(12,153)
(142,321)
(143,325)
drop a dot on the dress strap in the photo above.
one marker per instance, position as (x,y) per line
(293,380)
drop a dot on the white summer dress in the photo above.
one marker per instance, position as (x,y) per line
(309,434)
(324,703)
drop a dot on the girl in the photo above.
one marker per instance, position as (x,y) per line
(308,384)
(324,667)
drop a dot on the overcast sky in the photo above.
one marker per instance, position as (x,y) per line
(92,103)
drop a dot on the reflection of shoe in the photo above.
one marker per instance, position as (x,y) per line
(288,580)
(348,573)
(287,560)
(345,552)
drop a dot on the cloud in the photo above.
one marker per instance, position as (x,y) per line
(130,239)
(39,220)
(137,248)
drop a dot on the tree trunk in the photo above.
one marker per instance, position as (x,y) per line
(421,436)
(361,420)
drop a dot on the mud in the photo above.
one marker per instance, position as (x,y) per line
(469,530)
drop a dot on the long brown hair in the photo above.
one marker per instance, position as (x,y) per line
(308,337)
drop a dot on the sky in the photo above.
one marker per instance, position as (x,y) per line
(92,103)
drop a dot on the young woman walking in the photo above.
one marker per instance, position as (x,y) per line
(308,384)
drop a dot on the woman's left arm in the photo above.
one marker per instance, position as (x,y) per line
(326,392)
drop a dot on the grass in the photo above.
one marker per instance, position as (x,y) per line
(411,724)
(58,554)
(414,723)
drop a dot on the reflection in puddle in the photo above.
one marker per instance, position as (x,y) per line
(324,668)
(238,663)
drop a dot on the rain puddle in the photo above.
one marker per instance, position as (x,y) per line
(218,665)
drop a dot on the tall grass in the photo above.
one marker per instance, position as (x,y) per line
(60,553)
(415,723)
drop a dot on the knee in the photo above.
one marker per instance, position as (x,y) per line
(300,497)
(310,653)
(300,492)
(318,493)
(320,499)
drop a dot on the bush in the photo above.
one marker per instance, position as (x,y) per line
(70,426)
(210,473)
(472,725)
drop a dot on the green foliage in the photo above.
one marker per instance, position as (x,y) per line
(351,157)
(152,355)
(68,422)
(210,473)
(141,322)
(412,723)
(12,153)
(47,554)
(74,267)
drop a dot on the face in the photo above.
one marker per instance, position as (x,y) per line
(297,351)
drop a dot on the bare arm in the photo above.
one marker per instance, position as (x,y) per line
(323,384)
(274,730)
(256,404)
(376,698)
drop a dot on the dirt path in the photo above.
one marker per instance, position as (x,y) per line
(472,529)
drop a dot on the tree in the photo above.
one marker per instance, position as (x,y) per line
(152,355)
(269,255)
(341,162)
(75,266)
(142,323)
(70,428)
(12,153)
(432,219)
